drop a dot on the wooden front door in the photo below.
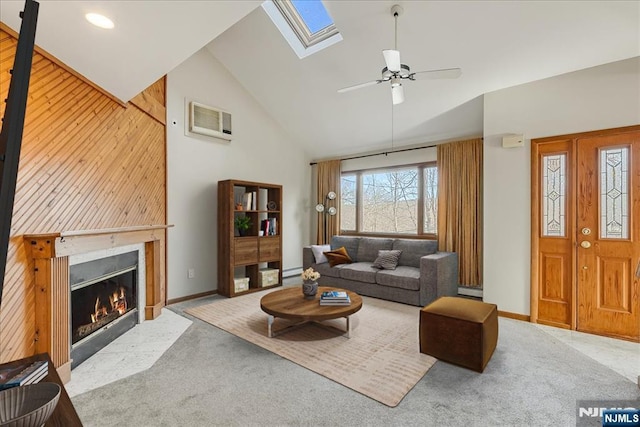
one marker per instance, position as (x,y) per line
(608,227)
(586,232)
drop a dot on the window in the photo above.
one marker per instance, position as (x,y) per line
(348,202)
(305,24)
(401,200)
(430,224)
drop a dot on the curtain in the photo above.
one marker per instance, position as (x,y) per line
(328,180)
(460,206)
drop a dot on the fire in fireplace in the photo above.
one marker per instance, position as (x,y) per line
(103,302)
(98,304)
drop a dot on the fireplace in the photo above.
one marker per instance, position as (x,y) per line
(56,254)
(104,302)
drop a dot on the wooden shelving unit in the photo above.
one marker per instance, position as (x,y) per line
(244,256)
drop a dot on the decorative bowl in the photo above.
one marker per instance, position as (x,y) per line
(28,406)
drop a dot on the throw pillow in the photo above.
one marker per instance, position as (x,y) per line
(387,260)
(318,253)
(338,256)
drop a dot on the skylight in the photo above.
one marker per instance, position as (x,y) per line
(313,14)
(305,24)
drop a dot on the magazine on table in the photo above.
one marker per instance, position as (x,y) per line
(334,295)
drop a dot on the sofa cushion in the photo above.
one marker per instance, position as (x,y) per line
(318,253)
(368,248)
(360,272)
(413,250)
(338,256)
(387,260)
(349,243)
(326,270)
(402,277)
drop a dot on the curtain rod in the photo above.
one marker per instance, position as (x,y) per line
(380,154)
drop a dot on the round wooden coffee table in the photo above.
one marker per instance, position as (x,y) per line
(289,303)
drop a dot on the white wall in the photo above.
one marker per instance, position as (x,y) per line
(602,97)
(260,151)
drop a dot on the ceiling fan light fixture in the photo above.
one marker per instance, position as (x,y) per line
(394,71)
(397,94)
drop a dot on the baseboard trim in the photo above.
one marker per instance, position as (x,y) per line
(553,324)
(470,292)
(290,272)
(516,316)
(190,297)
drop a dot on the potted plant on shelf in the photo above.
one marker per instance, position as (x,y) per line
(242,223)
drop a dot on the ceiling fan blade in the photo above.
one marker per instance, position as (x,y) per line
(397,94)
(361,85)
(446,73)
(392,59)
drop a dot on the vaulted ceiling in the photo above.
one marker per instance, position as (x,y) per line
(497,44)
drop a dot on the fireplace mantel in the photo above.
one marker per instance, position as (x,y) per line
(51,251)
(73,242)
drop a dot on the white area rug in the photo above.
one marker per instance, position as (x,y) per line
(381,360)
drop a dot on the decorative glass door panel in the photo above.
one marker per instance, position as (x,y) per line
(614,193)
(554,190)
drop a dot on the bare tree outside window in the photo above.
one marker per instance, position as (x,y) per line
(389,201)
(348,202)
(430,200)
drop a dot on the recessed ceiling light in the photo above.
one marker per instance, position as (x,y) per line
(99,20)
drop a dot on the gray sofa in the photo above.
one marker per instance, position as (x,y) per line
(423,274)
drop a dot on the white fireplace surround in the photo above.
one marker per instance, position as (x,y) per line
(140,271)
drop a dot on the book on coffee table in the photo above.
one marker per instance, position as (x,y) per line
(334,295)
(335,301)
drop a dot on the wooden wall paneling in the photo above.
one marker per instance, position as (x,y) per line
(152,102)
(88,161)
(57,176)
(12,331)
(158,91)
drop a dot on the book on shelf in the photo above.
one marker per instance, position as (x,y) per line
(334,295)
(23,374)
(269,226)
(246,201)
(335,301)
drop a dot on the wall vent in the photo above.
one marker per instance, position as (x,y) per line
(209,121)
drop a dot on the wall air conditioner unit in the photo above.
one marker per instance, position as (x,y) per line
(205,120)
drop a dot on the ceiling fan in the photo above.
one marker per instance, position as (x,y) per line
(395,72)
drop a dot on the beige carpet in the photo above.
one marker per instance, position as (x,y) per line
(381,360)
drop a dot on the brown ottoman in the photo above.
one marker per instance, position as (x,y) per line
(460,331)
